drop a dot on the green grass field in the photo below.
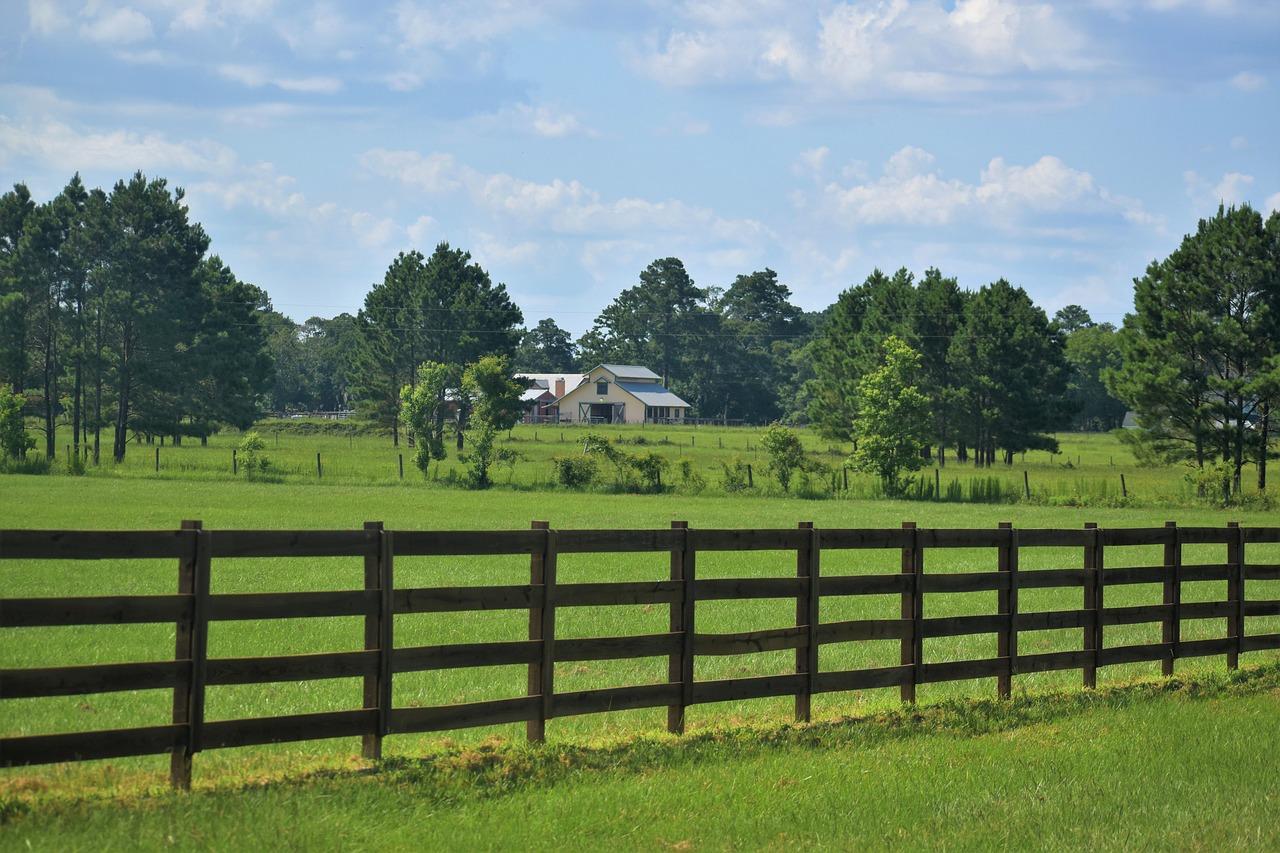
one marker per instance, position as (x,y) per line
(147,502)
(1087,471)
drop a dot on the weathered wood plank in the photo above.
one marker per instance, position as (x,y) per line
(958,537)
(536,725)
(445,717)
(720,589)
(1206,572)
(371,745)
(864,679)
(808,558)
(1135,615)
(1259,642)
(1051,620)
(957,626)
(710,539)
(86,746)
(964,581)
(264,670)
(458,655)
(1050,661)
(618,648)
(1207,535)
(1050,578)
(864,629)
(911,648)
(92,544)
(1051,538)
(677,625)
(1135,575)
(465,543)
(258,730)
(962,669)
(97,610)
(290,543)
(615,699)
(462,598)
(748,642)
(1262,534)
(292,605)
(1134,654)
(837,539)
(1204,648)
(730,689)
(1257,608)
(1122,536)
(1171,628)
(1262,571)
(864,585)
(93,678)
(1007,607)
(1207,610)
(616,541)
(618,593)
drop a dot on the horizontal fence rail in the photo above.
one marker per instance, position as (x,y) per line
(192,608)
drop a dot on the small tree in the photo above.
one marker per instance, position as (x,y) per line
(494,398)
(420,406)
(892,421)
(250,452)
(14,441)
(649,467)
(786,453)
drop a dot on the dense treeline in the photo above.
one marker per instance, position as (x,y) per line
(113,316)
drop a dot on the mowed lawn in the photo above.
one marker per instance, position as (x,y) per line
(1163,767)
(64,502)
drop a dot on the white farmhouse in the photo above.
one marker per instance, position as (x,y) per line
(621,394)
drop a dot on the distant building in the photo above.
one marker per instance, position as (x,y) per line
(543,392)
(620,394)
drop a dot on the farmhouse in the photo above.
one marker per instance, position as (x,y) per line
(543,392)
(621,394)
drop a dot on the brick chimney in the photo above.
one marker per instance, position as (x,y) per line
(559,387)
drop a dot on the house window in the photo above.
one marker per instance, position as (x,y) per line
(602,387)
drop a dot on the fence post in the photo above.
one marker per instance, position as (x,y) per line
(234,465)
(1092,604)
(1007,604)
(157,460)
(911,610)
(1172,626)
(371,744)
(386,622)
(1026,484)
(401,455)
(191,645)
(542,573)
(319,470)
(807,557)
(1235,591)
(675,663)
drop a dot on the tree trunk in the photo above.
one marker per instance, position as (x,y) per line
(1263,447)
(50,393)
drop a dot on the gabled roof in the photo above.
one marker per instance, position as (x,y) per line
(631,371)
(651,394)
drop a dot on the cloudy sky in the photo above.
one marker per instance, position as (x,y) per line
(1061,145)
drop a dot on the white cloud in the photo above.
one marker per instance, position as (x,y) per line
(372,231)
(1239,143)
(420,229)
(912,192)
(45,17)
(544,121)
(560,206)
(454,24)
(256,77)
(1272,204)
(1248,81)
(1231,188)
(52,143)
(812,161)
(920,49)
(124,25)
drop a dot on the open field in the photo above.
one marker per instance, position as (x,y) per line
(1187,766)
(137,503)
(1087,471)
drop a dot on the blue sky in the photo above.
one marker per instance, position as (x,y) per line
(1061,145)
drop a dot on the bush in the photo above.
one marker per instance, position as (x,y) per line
(649,467)
(14,441)
(736,478)
(786,453)
(575,472)
(690,480)
(250,457)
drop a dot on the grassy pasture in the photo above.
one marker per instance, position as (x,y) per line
(1187,766)
(1086,471)
(27,501)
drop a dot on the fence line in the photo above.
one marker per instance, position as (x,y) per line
(193,607)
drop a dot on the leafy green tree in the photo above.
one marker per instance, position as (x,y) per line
(761,330)
(1092,350)
(785,452)
(938,315)
(1072,318)
(16,206)
(1200,349)
(546,348)
(1012,374)
(419,405)
(14,441)
(893,417)
(494,399)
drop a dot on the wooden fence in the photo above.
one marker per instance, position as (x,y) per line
(192,608)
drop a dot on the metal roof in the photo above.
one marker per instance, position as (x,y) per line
(631,371)
(651,394)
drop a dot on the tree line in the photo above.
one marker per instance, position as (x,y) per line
(114,316)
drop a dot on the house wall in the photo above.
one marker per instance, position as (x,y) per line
(586,393)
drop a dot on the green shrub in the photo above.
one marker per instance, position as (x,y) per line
(575,472)
(14,441)
(250,456)
(736,478)
(649,467)
(690,480)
